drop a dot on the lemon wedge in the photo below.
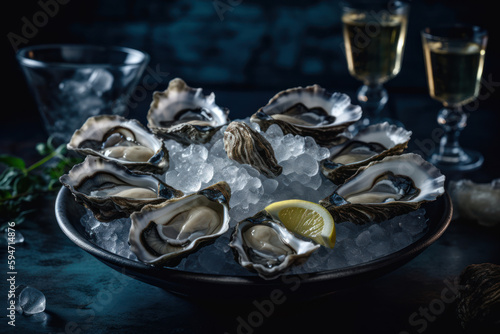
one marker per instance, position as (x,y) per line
(305,218)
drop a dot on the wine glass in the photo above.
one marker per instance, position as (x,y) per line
(374,37)
(454,59)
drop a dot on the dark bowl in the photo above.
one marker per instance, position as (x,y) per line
(207,286)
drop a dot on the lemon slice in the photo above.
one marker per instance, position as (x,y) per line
(308,219)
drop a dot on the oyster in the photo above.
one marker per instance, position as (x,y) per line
(161,234)
(184,114)
(383,189)
(309,111)
(112,191)
(127,142)
(247,146)
(263,244)
(375,142)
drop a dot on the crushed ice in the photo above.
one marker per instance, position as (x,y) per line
(195,167)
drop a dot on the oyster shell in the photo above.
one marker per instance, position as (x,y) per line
(184,114)
(246,146)
(264,245)
(384,189)
(161,234)
(112,191)
(375,142)
(127,142)
(309,111)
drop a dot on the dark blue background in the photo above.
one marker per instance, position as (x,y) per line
(249,45)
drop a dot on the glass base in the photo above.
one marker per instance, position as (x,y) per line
(465,161)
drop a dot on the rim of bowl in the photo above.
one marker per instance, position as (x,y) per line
(140,57)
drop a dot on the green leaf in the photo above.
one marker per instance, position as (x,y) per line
(12,161)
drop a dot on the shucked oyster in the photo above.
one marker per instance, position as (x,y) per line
(264,245)
(384,189)
(184,114)
(111,191)
(247,146)
(375,142)
(161,234)
(127,142)
(309,111)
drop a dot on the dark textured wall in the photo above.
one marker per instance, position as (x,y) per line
(242,44)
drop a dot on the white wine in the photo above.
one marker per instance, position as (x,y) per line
(374,46)
(453,72)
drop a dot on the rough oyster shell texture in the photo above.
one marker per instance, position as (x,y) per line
(264,245)
(375,142)
(112,191)
(184,114)
(161,234)
(310,111)
(118,139)
(384,189)
(246,146)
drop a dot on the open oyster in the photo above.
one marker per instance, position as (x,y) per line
(384,189)
(375,142)
(184,114)
(247,146)
(127,142)
(309,111)
(112,191)
(161,234)
(264,245)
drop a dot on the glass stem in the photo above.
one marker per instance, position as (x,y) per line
(372,98)
(453,120)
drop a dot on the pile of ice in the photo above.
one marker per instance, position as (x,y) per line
(195,167)
(198,166)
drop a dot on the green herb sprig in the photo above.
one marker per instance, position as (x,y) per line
(21,185)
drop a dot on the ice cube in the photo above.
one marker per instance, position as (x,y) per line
(377,233)
(412,226)
(206,173)
(274,131)
(297,148)
(281,152)
(269,185)
(379,248)
(100,80)
(304,164)
(31,300)
(310,147)
(401,240)
(74,90)
(363,239)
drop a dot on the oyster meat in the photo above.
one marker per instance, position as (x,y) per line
(184,114)
(161,234)
(112,191)
(375,142)
(384,189)
(127,142)
(310,111)
(246,146)
(264,245)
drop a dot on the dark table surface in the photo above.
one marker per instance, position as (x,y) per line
(85,296)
